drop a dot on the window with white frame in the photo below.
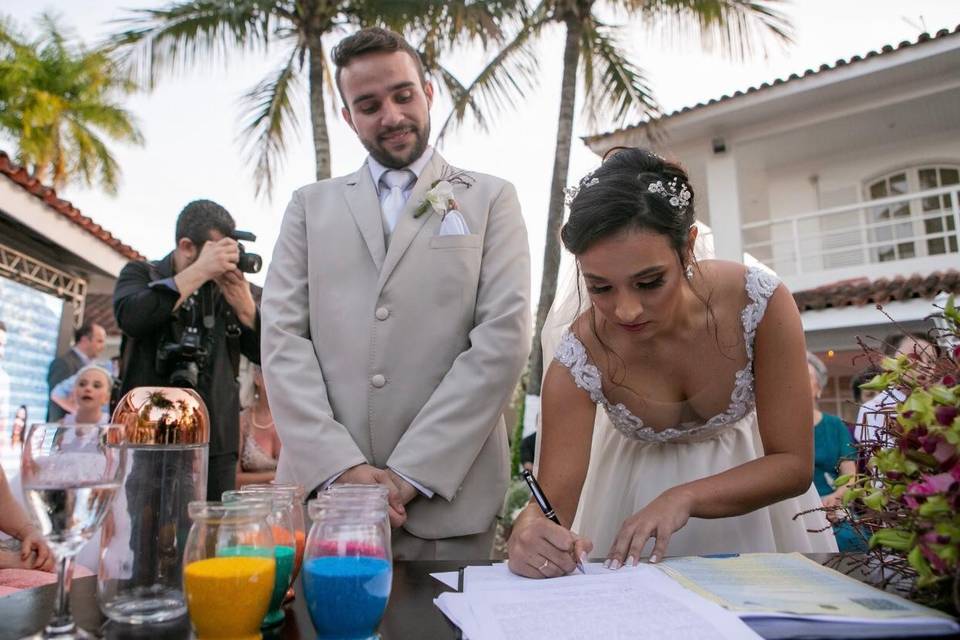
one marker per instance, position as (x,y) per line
(915,227)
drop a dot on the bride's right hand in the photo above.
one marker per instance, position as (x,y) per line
(539,548)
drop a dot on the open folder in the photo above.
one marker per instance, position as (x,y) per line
(747,596)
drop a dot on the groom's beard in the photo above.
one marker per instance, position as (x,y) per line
(395,161)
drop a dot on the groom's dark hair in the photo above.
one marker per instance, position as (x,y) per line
(372,40)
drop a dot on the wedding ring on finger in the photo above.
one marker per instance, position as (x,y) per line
(544,565)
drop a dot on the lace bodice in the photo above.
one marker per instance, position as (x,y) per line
(571,353)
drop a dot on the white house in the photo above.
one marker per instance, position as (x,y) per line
(843,179)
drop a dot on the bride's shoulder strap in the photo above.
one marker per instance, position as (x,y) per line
(573,355)
(760,285)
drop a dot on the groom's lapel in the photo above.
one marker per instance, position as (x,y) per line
(363,203)
(408,226)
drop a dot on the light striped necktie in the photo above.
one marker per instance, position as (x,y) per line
(396,180)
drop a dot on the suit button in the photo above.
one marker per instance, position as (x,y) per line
(382,313)
(378,381)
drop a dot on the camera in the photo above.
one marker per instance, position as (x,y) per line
(182,357)
(248,262)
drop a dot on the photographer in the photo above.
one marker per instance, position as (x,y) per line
(187,318)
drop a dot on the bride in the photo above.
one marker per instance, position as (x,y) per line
(676,409)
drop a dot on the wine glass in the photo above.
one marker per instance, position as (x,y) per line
(70,474)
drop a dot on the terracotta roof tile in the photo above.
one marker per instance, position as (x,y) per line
(860,292)
(905,44)
(48,195)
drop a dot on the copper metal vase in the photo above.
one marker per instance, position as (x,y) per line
(141,562)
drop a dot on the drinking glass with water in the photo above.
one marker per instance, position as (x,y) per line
(70,474)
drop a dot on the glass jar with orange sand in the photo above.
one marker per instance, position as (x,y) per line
(229,569)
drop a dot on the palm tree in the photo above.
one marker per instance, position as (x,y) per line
(173,38)
(58,103)
(614,88)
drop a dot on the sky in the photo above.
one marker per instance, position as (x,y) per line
(191,120)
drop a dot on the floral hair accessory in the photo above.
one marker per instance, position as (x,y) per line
(570,193)
(679,198)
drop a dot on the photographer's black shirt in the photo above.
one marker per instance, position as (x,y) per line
(143,302)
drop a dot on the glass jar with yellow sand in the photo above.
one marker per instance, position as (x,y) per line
(280,520)
(229,569)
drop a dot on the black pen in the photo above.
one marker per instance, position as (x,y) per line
(544,504)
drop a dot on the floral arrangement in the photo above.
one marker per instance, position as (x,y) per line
(908,502)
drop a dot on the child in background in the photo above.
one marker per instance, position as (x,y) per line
(85,396)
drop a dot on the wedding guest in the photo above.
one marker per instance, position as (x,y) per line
(833,455)
(88,343)
(88,401)
(864,395)
(33,552)
(259,443)
(19,426)
(677,405)
(396,317)
(873,412)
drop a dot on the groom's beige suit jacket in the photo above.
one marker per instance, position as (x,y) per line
(402,357)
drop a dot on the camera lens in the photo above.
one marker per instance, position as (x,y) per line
(185,376)
(249,263)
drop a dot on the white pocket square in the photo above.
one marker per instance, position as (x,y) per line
(453,225)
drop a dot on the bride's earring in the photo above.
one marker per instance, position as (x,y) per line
(688,272)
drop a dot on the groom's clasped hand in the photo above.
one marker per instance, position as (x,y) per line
(400,491)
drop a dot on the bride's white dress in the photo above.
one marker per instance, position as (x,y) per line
(631,464)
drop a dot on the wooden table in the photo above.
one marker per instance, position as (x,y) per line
(410,610)
(410,613)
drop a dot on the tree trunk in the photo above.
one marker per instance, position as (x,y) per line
(318,108)
(561,164)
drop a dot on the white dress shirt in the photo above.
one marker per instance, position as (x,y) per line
(377,170)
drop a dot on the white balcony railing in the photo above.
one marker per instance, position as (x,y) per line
(912,225)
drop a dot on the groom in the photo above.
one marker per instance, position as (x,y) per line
(396,317)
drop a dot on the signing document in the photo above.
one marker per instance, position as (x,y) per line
(635,602)
(786,595)
(769,595)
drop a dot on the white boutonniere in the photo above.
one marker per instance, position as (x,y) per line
(439,198)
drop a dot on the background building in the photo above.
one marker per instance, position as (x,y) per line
(57,267)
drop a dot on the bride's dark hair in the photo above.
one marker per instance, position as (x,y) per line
(618,199)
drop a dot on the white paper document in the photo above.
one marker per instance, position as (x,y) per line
(786,595)
(633,603)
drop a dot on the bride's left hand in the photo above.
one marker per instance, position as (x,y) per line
(659,520)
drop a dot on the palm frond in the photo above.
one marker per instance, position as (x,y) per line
(270,117)
(614,87)
(503,82)
(90,159)
(736,28)
(153,41)
(462,101)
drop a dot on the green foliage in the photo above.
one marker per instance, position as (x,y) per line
(517,497)
(910,498)
(60,103)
